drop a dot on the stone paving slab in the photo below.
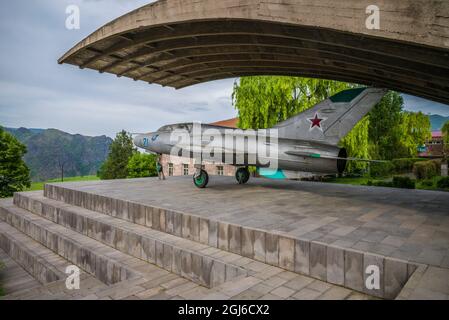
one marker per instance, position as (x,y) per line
(107,264)
(279,284)
(427,283)
(97,226)
(278,280)
(41,263)
(155,283)
(141,242)
(13,277)
(412,225)
(321,260)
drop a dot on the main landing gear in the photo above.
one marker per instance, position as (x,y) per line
(201,178)
(242,175)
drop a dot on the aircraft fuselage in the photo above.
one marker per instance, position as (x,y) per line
(260,148)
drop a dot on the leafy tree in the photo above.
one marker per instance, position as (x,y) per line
(142,165)
(386,133)
(414,130)
(394,133)
(445,131)
(357,145)
(14,174)
(385,124)
(264,101)
(120,151)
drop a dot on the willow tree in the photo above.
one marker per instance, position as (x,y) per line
(357,145)
(445,131)
(263,101)
(414,131)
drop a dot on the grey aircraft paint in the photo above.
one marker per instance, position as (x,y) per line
(307,142)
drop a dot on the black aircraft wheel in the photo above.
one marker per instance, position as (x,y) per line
(242,175)
(201,179)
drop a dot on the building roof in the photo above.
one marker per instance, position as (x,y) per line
(230,123)
(178,43)
(437,134)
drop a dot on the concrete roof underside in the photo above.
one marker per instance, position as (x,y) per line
(179,43)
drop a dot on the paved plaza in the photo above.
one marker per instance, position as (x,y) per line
(406,224)
(154,283)
(268,239)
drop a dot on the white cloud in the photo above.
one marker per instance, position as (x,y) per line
(37,92)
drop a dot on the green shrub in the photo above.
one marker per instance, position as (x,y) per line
(443,183)
(427,169)
(405,165)
(142,165)
(381,169)
(381,183)
(437,165)
(427,183)
(384,184)
(403,182)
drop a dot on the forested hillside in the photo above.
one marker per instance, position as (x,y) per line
(51,150)
(437,121)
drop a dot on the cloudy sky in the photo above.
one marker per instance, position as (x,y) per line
(36,92)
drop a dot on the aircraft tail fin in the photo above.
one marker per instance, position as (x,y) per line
(332,119)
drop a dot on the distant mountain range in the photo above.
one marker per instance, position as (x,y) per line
(49,150)
(437,121)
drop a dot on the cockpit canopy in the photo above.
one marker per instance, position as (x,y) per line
(179,126)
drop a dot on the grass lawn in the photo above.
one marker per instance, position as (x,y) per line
(355,181)
(420,184)
(35,186)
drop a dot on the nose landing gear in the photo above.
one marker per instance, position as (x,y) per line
(201,178)
(242,175)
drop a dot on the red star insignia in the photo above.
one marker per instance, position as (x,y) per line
(316,121)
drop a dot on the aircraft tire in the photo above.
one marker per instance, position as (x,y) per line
(201,179)
(242,175)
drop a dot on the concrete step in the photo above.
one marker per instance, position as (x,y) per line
(40,262)
(263,281)
(110,266)
(197,262)
(336,265)
(13,277)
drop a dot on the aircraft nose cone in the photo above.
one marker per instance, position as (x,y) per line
(138,141)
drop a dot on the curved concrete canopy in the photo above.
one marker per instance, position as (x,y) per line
(179,43)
